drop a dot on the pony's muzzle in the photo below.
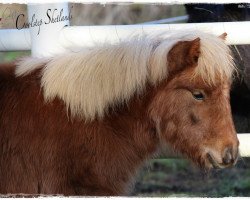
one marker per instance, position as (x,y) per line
(227,158)
(230,156)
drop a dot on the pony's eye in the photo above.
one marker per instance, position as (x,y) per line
(198,95)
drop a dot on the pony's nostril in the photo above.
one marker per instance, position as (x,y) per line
(228,157)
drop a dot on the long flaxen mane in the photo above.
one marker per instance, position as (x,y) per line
(94,79)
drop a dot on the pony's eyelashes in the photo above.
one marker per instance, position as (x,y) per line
(198,95)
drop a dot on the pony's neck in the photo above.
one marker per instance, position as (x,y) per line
(132,140)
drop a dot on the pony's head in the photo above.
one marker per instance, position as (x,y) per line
(192,108)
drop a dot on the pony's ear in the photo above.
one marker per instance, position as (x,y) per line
(223,36)
(184,54)
(194,51)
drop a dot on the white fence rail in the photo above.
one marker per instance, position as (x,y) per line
(50,42)
(56,38)
(168,20)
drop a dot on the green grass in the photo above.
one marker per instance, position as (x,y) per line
(180,178)
(10,56)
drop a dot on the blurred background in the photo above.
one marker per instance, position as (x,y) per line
(164,176)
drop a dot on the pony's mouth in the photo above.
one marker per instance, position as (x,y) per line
(215,164)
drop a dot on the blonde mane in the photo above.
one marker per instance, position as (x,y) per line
(94,79)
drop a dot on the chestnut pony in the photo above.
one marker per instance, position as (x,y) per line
(83,123)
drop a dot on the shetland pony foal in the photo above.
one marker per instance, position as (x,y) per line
(83,123)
